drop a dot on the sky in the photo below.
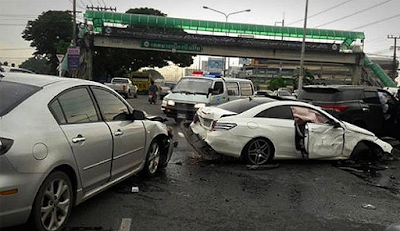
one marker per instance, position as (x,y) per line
(343,15)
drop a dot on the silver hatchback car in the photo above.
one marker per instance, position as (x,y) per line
(64,140)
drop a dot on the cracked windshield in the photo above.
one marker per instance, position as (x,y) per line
(185,115)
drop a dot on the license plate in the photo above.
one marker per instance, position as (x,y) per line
(181,116)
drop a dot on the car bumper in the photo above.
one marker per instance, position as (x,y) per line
(15,208)
(179,113)
(221,141)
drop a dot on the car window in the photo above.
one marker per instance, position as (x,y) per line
(246,89)
(353,94)
(218,88)
(111,107)
(279,112)
(242,105)
(319,94)
(78,106)
(371,97)
(120,81)
(305,114)
(12,94)
(57,112)
(233,88)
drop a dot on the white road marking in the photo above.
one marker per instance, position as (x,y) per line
(125,224)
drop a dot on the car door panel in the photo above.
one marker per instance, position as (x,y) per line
(323,141)
(129,141)
(283,138)
(92,147)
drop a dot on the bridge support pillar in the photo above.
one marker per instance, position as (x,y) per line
(356,71)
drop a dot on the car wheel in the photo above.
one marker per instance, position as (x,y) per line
(152,160)
(258,151)
(53,203)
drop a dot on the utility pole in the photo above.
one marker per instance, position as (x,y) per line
(394,73)
(303,48)
(74,24)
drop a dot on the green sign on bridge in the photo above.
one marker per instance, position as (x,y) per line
(170,46)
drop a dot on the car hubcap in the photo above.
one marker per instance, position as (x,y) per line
(259,152)
(55,204)
(154,158)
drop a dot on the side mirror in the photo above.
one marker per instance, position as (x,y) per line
(138,115)
(336,125)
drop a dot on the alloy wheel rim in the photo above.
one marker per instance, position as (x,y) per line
(154,158)
(259,151)
(55,204)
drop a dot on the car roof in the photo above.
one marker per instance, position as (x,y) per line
(39,80)
(340,87)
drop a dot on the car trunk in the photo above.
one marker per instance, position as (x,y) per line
(207,116)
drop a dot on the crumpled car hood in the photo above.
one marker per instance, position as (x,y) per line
(357,129)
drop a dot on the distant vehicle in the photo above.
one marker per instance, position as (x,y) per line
(14,69)
(261,129)
(285,94)
(165,87)
(192,93)
(79,139)
(264,93)
(368,107)
(142,80)
(123,86)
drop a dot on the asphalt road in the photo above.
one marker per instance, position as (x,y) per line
(193,194)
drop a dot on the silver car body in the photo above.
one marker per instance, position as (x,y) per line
(42,145)
(323,141)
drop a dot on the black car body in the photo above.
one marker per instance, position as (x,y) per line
(365,106)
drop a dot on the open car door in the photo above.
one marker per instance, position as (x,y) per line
(323,141)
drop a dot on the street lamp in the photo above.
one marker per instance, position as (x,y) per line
(226,18)
(303,48)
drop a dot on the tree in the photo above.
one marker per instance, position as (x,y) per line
(115,61)
(49,33)
(276,83)
(308,78)
(39,65)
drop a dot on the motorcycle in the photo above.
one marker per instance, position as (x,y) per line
(152,98)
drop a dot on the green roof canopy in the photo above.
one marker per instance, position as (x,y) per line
(99,17)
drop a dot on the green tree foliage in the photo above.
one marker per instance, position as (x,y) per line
(308,78)
(276,83)
(38,65)
(49,33)
(116,62)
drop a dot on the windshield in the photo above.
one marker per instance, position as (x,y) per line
(12,94)
(284,93)
(120,81)
(193,86)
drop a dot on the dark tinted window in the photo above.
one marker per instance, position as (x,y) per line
(218,88)
(57,112)
(246,89)
(354,94)
(317,94)
(371,97)
(111,107)
(78,106)
(12,94)
(233,88)
(242,105)
(280,112)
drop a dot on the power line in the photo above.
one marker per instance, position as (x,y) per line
(99,3)
(351,15)
(104,2)
(376,22)
(321,12)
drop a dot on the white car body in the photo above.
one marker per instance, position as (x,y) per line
(322,141)
(123,86)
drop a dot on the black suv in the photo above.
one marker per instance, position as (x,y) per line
(368,107)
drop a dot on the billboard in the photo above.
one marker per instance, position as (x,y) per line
(215,65)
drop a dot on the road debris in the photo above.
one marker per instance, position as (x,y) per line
(368,206)
(262,167)
(135,189)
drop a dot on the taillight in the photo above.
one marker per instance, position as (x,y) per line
(5,145)
(195,118)
(222,126)
(337,108)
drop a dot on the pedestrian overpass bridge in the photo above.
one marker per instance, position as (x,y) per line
(149,32)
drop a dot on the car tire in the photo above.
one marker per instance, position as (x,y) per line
(56,190)
(152,164)
(258,151)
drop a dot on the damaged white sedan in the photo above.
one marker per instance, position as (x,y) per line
(260,129)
